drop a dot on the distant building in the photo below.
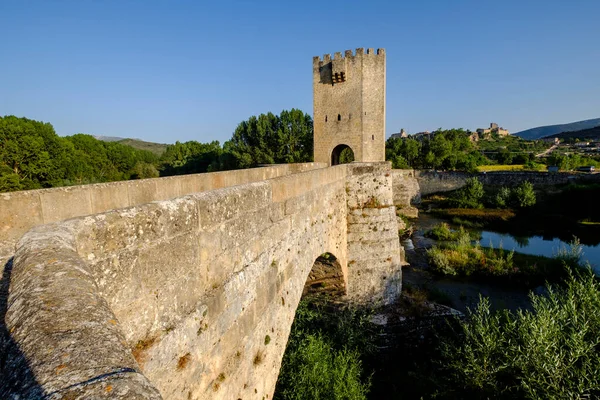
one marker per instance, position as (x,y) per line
(581,144)
(552,168)
(401,135)
(494,128)
(423,135)
(554,140)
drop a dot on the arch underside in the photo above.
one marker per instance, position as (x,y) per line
(326,277)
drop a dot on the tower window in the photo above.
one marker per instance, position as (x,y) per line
(372,137)
(339,117)
(326,118)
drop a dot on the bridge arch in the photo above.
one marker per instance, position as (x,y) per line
(327,276)
(342,154)
(194,297)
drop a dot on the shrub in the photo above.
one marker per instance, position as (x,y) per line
(502,197)
(439,261)
(470,195)
(570,256)
(523,195)
(441,232)
(551,352)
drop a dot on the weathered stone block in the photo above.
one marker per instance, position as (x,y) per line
(18,213)
(108,197)
(222,205)
(64,203)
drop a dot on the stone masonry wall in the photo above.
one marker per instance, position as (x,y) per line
(20,211)
(406,192)
(190,298)
(375,256)
(443,181)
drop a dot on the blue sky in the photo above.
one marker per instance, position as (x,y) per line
(192,70)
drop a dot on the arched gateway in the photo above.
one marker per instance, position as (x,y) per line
(342,154)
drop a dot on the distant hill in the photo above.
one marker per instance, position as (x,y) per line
(156,148)
(544,131)
(592,133)
(108,138)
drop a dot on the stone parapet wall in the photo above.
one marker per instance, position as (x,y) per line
(189,298)
(437,181)
(443,181)
(20,211)
(406,192)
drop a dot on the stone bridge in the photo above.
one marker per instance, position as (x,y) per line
(182,287)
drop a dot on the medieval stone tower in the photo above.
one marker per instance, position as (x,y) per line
(349,105)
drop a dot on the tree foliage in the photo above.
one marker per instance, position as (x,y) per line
(470,195)
(444,149)
(33,156)
(269,139)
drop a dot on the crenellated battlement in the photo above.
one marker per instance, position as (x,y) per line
(359,52)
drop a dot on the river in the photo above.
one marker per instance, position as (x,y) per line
(539,246)
(464,293)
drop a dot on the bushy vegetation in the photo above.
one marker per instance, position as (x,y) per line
(551,352)
(475,196)
(464,257)
(323,356)
(469,196)
(572,161)
(443,232)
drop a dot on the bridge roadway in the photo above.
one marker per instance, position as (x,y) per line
(112,294)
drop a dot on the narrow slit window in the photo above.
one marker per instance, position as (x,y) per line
(339,117)
(326,118)
(372,137)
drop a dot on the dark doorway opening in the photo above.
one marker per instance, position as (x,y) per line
(342,154)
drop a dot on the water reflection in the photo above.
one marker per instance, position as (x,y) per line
(537,245)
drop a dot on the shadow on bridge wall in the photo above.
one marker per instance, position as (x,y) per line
(16,376)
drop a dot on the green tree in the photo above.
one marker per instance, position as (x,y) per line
(524,195)
(470,195)
(346,156)
(269,139)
